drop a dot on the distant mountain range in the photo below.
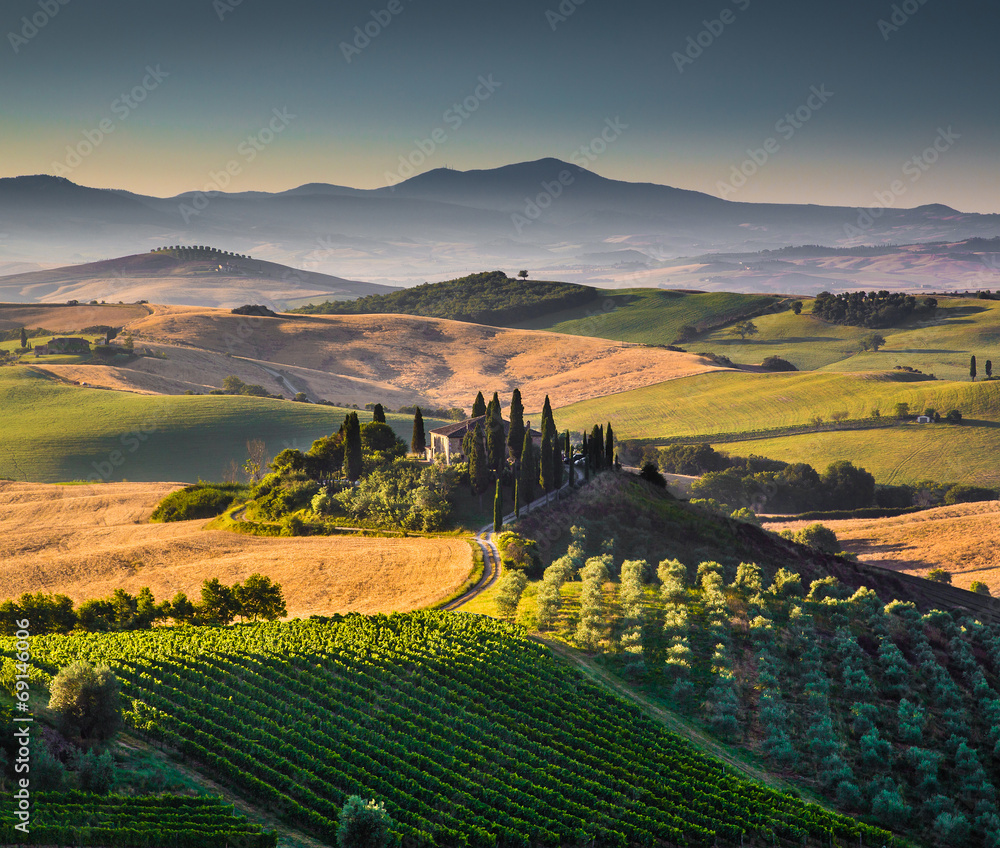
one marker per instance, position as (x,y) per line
(556,219)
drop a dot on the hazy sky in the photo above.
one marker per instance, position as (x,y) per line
(160,97)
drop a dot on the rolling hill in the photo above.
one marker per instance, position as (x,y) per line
(169,277)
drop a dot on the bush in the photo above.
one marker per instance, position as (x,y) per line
(363,824)
(86,700)
(776,363)
(979,588)
(651,474)
(96,772)
(954,417)
(197,501)
(939,575)
(519,554)
(819,537)
(969,494)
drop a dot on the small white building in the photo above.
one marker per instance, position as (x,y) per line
(923,419)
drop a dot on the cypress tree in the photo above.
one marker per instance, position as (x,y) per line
(600,446)
(972,368)
(24,338)
(609,446)
(352,446)
(496,448)
(494,404)
(498,509)
(546,473)
(526,480)
(547,414)
(418,444)
(596,449)
(479,406)
(989,368)
(378,413)
(517,499)
(478,471)
(557,462)
(567,447)
(515,437)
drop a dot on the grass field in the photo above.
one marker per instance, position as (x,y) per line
(905,454)
(728,401)
(650,316)
(940,346)
(57,432)
(86,541)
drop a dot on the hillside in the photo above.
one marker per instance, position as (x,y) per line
(114,435)
(963,539)
(189,277)
(85,541)
(394,359)
(490,297)
(652,316)
(470,733)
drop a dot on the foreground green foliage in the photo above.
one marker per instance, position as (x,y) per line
(202,500)
(487,298)
(80,818)
(471,734)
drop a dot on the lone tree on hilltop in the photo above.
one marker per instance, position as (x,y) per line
(972,368)
(522,274)
(797,307)
(744,329)
(86,699)
(418,444)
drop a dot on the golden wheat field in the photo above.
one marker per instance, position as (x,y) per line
(394,359)
(85,541)
(963,539)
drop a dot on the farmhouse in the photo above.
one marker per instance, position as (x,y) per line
(63,345)
(446,442)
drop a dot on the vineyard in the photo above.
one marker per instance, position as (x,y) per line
(78,818)
(472,735)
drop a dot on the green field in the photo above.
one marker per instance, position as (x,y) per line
(472,735)
(729,401)
(907,454)
(942,346)
(649,316)
(54,432)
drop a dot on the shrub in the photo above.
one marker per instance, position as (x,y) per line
(969,494)
(86,700)
(939,575)
(954,417)
(819,537)
(776,363)
(363,824)
(96,772)
(979,588)
(651,474)
(197,501)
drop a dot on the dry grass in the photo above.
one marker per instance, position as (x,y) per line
(68,319)
(395,359)
(86,541)
(963,539)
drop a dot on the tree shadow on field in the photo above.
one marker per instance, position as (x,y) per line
(867,547)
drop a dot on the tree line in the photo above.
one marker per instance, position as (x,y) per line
(255,599)
(875,310)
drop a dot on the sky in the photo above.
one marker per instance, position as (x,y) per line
(798,101)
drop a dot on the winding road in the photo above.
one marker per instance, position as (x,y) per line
(491,568)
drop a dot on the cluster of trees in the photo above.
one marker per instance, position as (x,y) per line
(200,251)
(233,385)
(486,298)
(256,598)
(875,310)
(973,370)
